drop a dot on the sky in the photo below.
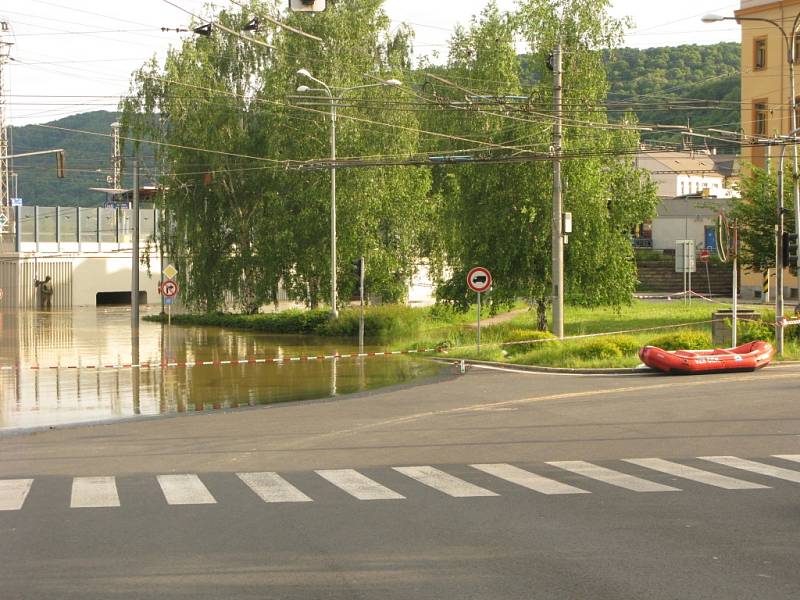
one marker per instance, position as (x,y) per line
(72,56)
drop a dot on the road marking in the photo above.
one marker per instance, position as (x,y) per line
(184,489)
(529,480)
(13,493)
(687,472)
(94,492)
(271,487)
(791,457)
(358,485)
(755,467)
(441,481)
(623,480)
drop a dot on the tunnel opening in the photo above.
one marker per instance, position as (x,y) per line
(118,298)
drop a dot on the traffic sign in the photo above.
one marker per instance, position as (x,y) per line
(170,271)
(704,255)
(169,288)
(168,301)
(479,279)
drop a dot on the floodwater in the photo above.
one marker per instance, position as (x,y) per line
(92,339)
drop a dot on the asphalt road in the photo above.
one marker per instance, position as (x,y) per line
(491,485)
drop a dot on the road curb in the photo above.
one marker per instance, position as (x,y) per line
(642,370)
(538,369)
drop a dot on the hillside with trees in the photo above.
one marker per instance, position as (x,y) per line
(690,85)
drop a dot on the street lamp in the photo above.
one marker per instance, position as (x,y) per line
(335,98)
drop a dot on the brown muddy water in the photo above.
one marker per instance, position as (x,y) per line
(85,337)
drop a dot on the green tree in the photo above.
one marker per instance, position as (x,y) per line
(221,109)
(756,211)
(499,215)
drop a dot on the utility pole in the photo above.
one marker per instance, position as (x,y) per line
(135,251)
(557,236)
(5,192)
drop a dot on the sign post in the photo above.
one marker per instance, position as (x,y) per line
(479,280)
(685,263)
(169,289)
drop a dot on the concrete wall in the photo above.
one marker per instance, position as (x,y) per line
(667,230)
(76,278)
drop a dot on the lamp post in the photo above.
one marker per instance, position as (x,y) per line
(335,98)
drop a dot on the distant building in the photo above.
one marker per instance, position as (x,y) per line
(692,188)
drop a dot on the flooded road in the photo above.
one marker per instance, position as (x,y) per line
(94,337)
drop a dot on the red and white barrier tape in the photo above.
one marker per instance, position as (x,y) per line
(203,363)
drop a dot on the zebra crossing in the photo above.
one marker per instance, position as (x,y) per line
(271,487)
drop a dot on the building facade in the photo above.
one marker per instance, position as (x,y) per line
(766,93)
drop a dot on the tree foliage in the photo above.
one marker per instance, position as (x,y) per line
(239,225)
(499,216)
(756,212)
(225,118)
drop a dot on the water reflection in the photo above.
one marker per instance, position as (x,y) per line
(88,336)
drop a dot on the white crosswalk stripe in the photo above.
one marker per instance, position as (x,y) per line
(13,493)
(623,480)
(791,457)
(693,474)
(358,485)
(94,492)
(529,480)
(184,489)
(755,467)
(441,481)
(271,487)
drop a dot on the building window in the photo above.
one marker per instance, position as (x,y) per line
(760,116)
(759,54)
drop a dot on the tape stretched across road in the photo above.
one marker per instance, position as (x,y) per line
(206,363)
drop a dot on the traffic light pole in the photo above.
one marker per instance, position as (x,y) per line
(779,263)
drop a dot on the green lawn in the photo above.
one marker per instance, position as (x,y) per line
(663,323)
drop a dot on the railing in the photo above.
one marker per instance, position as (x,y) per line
(74,229)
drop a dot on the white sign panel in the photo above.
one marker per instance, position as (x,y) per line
(684,256)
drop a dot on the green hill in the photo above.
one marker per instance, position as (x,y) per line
(87,160)
(698,85)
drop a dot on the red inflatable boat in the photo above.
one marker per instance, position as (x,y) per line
(747,357)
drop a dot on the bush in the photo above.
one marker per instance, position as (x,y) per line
(597,349)
(687,340)
(380,322)
(750,331)
(524,335)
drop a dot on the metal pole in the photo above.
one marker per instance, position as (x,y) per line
(479,322)
(796,183)
(135,251)
(361,317)
(557,238)
(735,281)
(334,309)
(779,263)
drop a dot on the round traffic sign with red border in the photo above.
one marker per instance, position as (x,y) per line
(704,255)
(169,288)
(479,279)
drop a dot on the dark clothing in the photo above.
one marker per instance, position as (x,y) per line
(45,293)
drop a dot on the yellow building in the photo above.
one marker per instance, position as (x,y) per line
(766,93)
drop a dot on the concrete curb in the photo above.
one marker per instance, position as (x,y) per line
(641,370)
(537,369)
